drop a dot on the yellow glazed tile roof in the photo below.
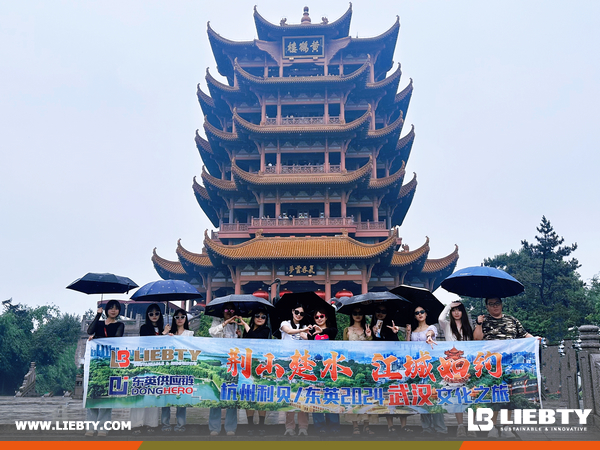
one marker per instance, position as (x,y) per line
(198,259)
(170,266)
(436,265)
(310,247)
(400,259)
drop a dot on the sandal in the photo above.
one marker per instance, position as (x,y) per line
(391,430)
(368,431)
(406,430)
(356,430)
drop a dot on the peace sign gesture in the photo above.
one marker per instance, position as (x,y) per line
(395,328)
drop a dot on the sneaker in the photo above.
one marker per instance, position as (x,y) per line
(214,433)
(230,433)
(494,433)
(262,432)
(166,429)
(102,433)
(291,432)
(461,431)
(471,434)
(507,434)
(180,430)
(250,432)
(302,432)
(89,433)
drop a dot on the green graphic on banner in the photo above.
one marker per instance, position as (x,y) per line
(314,376)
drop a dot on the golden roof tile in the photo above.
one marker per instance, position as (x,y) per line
(262,179)
(198,259)
(203,144)
(406,139)
(205,97)
(393,30)
(386,81)
(309,247)
(400,259)
(380,183)
(200,190)
(217,84)
(333,79)
(437,265)
(396,125)
(226,185)
(344,22)
(324,128)
(404,92)
(409,187)
(224,135)
(174,267)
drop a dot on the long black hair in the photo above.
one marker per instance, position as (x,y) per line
(186,325)
(260,310)
(160,323)
(467,331)
(415,322)
(363,322)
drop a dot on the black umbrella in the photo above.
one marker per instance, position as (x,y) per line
(483,282)
(417,297)
(244,305)
(102,283)
(370,300)
(310,302)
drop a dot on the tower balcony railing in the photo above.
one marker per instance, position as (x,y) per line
(302,222)
(234,226)
(369,225)
(303,120)
(308,168)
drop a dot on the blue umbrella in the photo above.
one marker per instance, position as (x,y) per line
(166,290)
(482,281)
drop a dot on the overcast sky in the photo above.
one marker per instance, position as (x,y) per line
(98,112)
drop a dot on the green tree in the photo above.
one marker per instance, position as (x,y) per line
(554,298)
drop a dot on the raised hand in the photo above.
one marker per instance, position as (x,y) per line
(394,327)
(100,310)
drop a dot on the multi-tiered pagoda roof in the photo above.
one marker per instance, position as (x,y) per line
(304,165)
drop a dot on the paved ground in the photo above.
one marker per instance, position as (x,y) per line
(65,409)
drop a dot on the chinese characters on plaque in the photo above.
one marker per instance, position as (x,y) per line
(303,47)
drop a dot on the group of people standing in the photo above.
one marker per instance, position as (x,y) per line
(153,326)
(317,324)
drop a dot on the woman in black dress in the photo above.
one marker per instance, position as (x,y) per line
(98,329)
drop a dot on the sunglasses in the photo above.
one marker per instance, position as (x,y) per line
(153,314)
(179,317)
(319,316)
(229,310)
(260,316)
(357,313)
(298,313)
(495,304)
(419,312)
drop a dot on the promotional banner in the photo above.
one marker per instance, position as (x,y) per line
(315,376)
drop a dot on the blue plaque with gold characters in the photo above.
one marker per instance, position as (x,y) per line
(303,47)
